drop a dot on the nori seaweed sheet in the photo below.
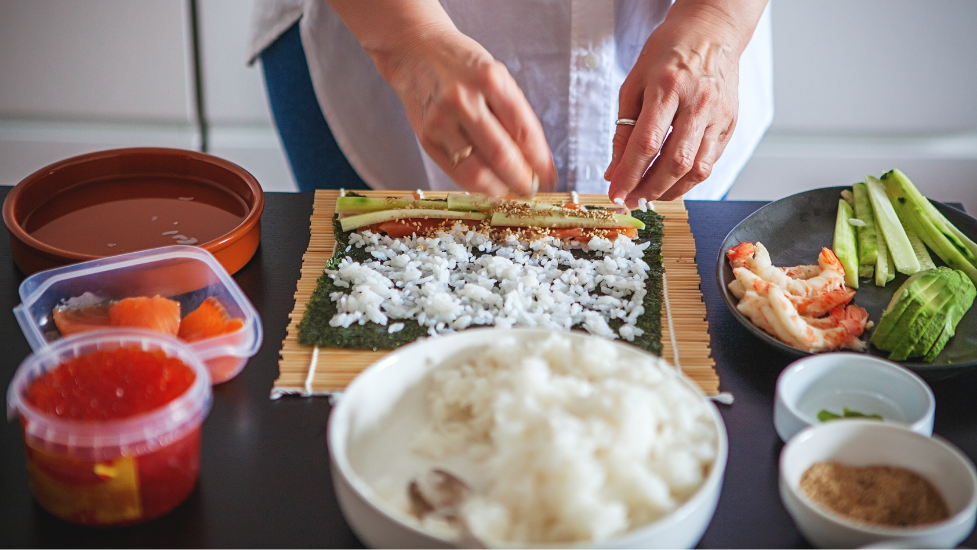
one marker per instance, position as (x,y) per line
(314,327)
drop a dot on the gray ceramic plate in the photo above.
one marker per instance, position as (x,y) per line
(794,230)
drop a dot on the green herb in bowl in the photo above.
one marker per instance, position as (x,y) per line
(825,415)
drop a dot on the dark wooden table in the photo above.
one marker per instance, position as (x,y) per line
(264,479)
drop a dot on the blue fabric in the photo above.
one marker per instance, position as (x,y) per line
(315,158)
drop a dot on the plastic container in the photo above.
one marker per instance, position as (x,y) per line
(112,472)
(187,274)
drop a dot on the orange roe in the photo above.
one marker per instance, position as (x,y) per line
(109,385)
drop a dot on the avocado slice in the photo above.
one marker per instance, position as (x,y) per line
(944,324)
(930,321)
(941,340)
(926,323)
(926,327)
(919,287)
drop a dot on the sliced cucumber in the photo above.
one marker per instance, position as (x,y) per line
(358,205)
(895,180)
(942,246)
(922,255)
(891,228)
(885,270)
(619,220)
(849,197)
(845,246)
(868,248)
(370,218)
(917,213)
(474,203)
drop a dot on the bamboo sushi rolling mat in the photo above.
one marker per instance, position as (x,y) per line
(310,370)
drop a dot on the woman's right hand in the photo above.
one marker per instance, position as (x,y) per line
(458,98)
(457,95)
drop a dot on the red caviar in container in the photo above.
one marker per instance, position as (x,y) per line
(111,424)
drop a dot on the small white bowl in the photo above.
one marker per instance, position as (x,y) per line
(860,382)
(371,428)
(863,443)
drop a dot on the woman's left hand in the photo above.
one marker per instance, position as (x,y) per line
(683,94)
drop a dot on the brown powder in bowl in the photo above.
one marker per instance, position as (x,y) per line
(880,495)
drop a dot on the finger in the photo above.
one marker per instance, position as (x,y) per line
(677,157)
(470,173)
(712,147)
(509,105)
(480,179)
(496,148)
(643,145)
(629,102)
(621,136)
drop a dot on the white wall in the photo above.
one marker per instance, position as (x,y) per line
(861,86)
(84,75)
(240,123)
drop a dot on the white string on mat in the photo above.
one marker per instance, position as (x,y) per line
(312,366)
(724,398)
(671,326)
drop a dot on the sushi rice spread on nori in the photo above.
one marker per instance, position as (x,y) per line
(379,292)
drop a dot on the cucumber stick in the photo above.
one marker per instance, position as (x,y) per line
(619,220)
(370,218)
(896,180)
(922,255)
(943,247)
(891,228)
(845,244)
(359,205)
(885,270)
(473,203)
(868,247)
(917,213)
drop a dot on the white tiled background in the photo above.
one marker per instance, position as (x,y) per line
(861,86)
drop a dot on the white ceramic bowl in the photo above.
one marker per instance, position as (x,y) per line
(860,382)
(372,424)
(863,443)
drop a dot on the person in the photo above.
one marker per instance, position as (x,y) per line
(633,98)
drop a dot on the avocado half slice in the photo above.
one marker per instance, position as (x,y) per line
(924,313)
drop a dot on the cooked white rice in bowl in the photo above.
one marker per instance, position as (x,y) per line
(564,438)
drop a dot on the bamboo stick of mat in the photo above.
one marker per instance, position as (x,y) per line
(309,370)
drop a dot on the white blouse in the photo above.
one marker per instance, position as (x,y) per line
(569,57)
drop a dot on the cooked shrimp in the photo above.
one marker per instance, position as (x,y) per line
(802,271)
(828,276)
(740,255)
(791,303)
(840,330)
(774,313)
(815,305)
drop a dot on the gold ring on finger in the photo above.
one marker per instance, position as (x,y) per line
(460,155)
(626,121)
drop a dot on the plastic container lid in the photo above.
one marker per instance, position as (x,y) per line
(188,274)
(135,435)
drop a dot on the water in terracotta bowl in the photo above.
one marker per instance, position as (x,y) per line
(123,200)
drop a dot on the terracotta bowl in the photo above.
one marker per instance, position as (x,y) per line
(122,200)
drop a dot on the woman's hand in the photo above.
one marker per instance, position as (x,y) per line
(683,94)
(466,109)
